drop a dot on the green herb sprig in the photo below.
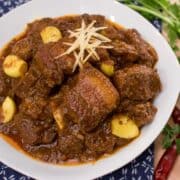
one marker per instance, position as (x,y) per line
(170,135)
(164,10)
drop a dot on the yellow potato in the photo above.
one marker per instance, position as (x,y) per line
(124,127)
(58,118)
(14,66)
(107,69)
(8,109)
(50,34)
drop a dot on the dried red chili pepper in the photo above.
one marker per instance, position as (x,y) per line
(166,163)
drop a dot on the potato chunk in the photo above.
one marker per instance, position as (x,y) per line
(107,69)
(124,127)
(58,118)
(14,66)
(50,34)
(8,109)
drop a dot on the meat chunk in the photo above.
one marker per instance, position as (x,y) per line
(48,67)
(103,54)
(53,68)
(100,20)
(30,132)
(114,33)
(69,23)
(25,129)
(21,89)
(33,106)
(130,47)
(126,52)
(65,62)
(70,144)
(87,98)
(102,140)
(137,83)
(142,112)
(23,48)
(32,84)
(146,53)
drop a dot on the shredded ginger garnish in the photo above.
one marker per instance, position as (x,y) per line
(87,39)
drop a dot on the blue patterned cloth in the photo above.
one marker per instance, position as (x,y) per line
(139,169)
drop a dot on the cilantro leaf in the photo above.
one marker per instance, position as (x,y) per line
(167,142)
(170,133)
(167,131)
(176,129)
(172,35)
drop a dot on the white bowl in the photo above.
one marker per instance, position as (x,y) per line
(15,21)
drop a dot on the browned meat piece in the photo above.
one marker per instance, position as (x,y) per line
(103,54)
(69,23)
(114,33)
(126,52)
(53,69)
(122,52)
(33,106)
(30,132)
(100,20)
(101,141)
(70,144)
(104,57)
(88,98)
(23,48)
(49,135)
(70,141)
(65,62)
(32,84)
(36,41)
(21,89)
(48,67)
(141,112)
(147,54)
(137,83)
(40,88)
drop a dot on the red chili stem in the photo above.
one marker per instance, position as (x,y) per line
(166,163)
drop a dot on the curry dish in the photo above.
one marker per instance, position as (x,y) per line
(76,88)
